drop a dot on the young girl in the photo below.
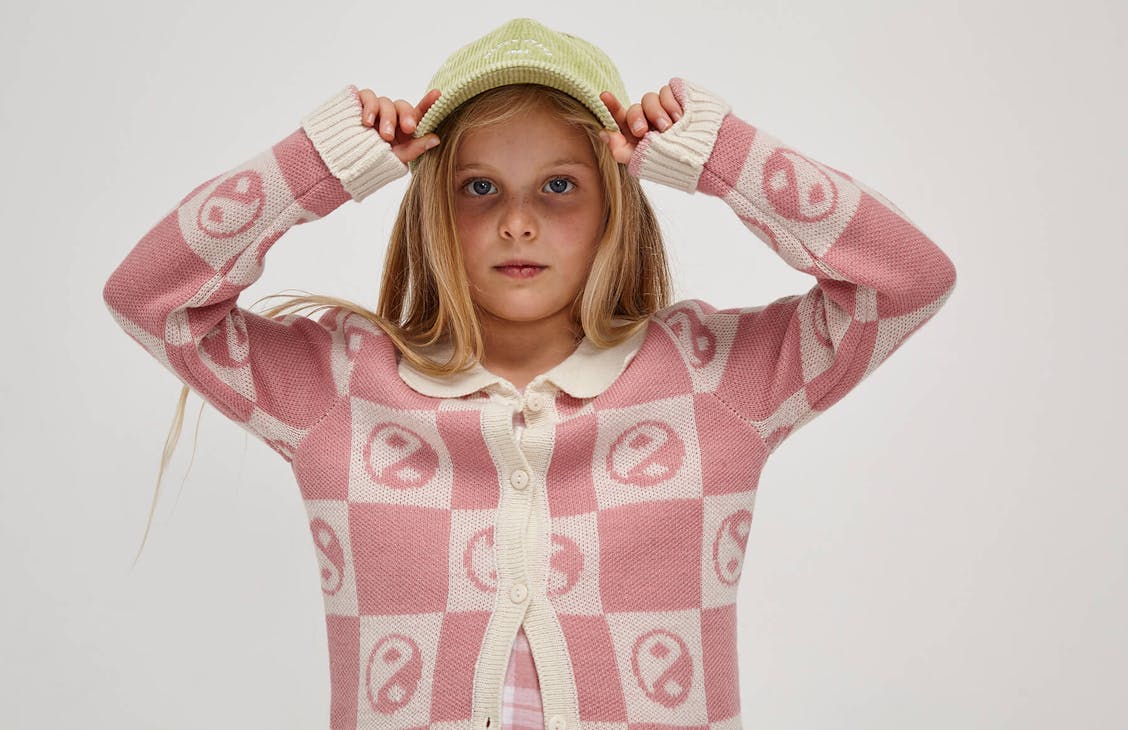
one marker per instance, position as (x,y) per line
(529,475)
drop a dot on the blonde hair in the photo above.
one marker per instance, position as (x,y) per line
(424,292)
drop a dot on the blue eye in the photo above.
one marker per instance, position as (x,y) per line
(479,187)
(555,187)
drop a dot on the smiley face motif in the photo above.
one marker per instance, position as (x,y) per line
(478,560)
(818,324)
(233,207)
(697,340)
(648,453)
(394,668)
(330,555)
(663,667)
(358,332)
(729,546)
(399,458)
(797,188)
(565,565)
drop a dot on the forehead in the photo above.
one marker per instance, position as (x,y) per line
(535,137)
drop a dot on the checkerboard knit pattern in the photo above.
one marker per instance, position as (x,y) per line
(649,486)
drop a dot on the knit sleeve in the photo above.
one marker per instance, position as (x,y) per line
(176,291)
(878,276)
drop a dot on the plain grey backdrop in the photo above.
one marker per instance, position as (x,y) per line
(946,547)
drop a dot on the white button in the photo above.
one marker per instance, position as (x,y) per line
(519,479)
(557,723)
(534,402)
(518,592)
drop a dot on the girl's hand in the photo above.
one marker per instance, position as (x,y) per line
(396,120)
(655,111)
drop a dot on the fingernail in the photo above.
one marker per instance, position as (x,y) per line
(639,127)
(431,142)
(370,118)
(663,123)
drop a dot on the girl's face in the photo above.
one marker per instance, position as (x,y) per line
(527,191)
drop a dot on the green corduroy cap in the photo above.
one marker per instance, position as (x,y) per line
(523,51)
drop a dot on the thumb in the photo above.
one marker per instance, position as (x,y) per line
(416,146)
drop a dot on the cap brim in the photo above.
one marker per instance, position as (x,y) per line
(504,75)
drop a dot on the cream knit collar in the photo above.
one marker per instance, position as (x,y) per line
(586,373)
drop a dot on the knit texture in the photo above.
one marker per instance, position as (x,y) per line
(611,528)
(523,51)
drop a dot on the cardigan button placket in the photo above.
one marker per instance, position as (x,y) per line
(519,479)
(534,411)
(518,593)
(534,402)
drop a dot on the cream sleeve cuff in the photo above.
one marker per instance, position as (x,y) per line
(677,156)
(356,155)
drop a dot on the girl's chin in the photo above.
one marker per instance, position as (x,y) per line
(518,314)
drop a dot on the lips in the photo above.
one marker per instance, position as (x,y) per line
(519,263)
(520,269)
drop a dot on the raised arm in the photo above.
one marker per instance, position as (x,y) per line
(878,276)
(175,293)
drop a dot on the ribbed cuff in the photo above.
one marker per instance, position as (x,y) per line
(677,156)
(356,155)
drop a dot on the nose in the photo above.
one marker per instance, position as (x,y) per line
(518,221)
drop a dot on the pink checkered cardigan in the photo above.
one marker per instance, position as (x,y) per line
(611,525)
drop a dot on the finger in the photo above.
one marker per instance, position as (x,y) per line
(621,149)
(654,112)
(368,106)
(669,103)
(387,118)
(618,113)
(425,103)
(415,147)
(636,121)
(406,113)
